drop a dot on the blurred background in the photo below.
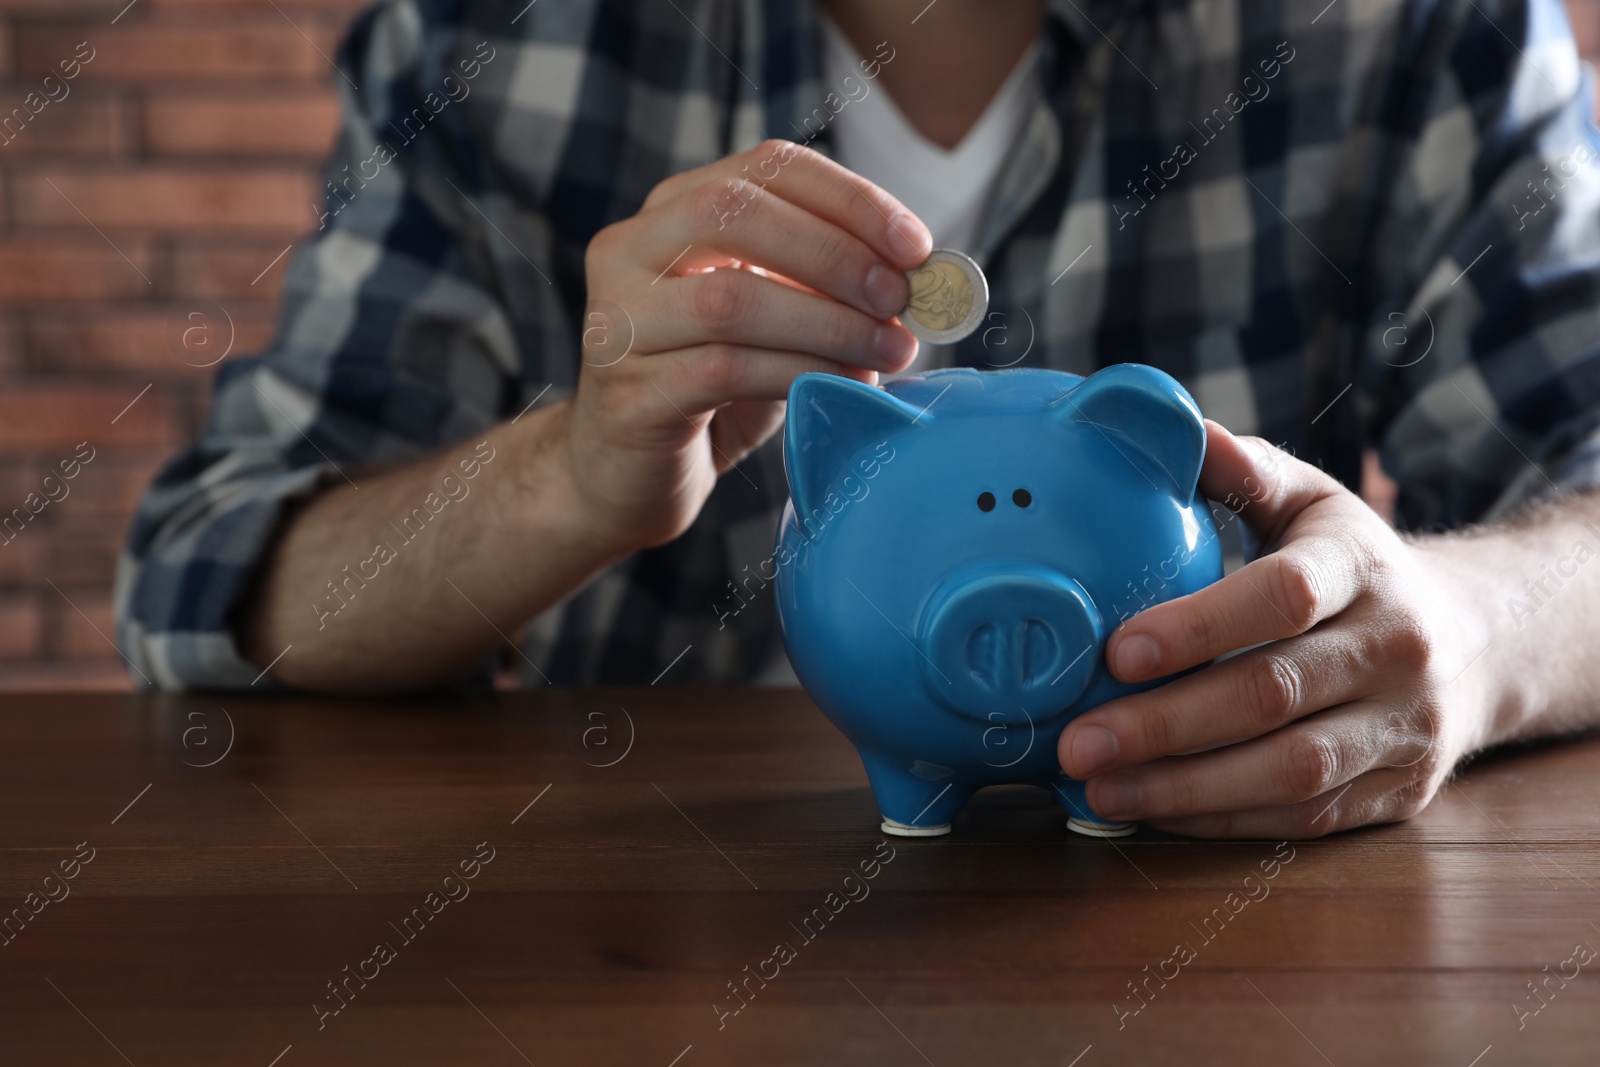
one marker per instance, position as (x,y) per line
(144,217)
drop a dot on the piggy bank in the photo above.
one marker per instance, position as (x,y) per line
(957,548)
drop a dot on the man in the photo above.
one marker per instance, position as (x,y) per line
(563,279)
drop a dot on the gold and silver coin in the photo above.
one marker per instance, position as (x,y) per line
(949,296)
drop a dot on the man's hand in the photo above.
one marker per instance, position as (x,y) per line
(1353,710)
(731,281)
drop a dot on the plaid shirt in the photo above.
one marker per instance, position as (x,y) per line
(1369,226)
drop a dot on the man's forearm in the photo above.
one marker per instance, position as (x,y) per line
(1535,585)
(410,579)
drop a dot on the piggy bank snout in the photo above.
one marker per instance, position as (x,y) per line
(1010,644)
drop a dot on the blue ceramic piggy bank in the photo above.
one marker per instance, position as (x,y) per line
(957,548)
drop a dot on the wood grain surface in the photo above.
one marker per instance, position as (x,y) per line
(237,860)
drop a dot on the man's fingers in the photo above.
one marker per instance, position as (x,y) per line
(1315,574)
(698,231)
(1269,599)
(1302,761)
(1240,698)
(724,192)
(1264,485)
(817,184)
(1381,796)
(741,307)
(823,252)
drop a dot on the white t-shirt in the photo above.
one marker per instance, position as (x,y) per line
(948,189)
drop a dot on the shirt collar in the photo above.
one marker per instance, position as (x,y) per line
(787,43)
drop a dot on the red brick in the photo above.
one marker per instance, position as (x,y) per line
(21,626)
(73,268)
(22,559)
(75,538)
(96,9)
(83,546)
(224,271)
(297,123)
(83,626)
(168,198)
(107,489)
(140,341)
(55,417)
(82,125)
(253,47)
(19,475)
(11,352)
(227,106)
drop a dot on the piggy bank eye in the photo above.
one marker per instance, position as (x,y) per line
(1022,498)
(985,501)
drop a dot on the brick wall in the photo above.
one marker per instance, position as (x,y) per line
(165,184)
(189,141)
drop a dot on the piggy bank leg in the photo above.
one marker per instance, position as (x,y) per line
(911,805)
(1081,818)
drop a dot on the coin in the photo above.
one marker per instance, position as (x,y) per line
(949,296)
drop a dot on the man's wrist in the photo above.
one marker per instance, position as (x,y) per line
(551,491)
(1472,639)
(1520,660)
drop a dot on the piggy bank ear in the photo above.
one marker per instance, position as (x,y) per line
(830,419)
(1148,416)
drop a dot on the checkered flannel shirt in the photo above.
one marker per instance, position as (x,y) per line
(1370,224)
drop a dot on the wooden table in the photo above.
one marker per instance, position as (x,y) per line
(236,856)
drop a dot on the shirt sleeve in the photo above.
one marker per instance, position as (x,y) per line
(1479,369)
(392,340)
